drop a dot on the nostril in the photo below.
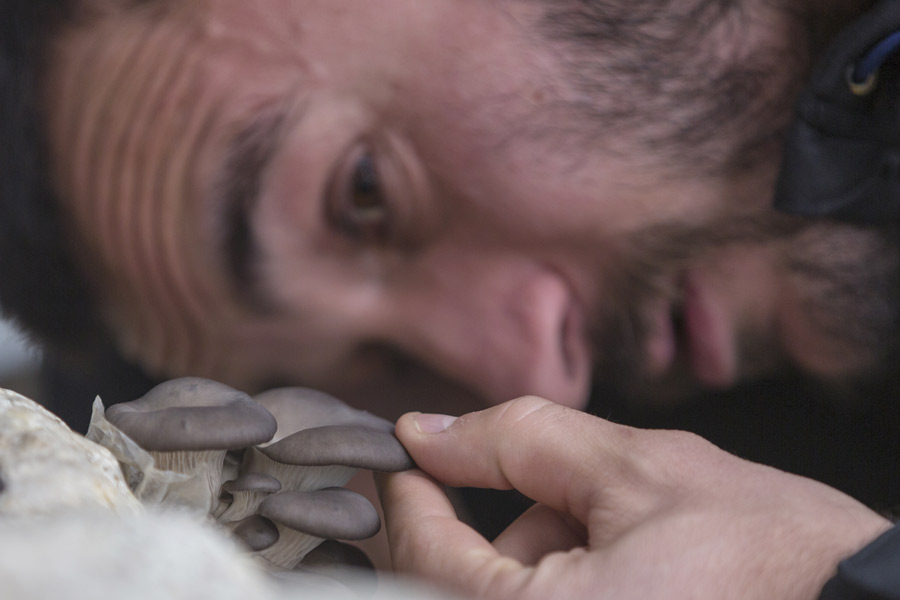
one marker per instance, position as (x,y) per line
(554,332)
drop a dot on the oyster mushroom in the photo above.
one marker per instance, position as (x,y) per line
(352,446)
(188,425)
(256,533)
(305,519)
(331,556)
(313,459)
(320,443)
(325,436)
(331,513)
(245,494)
(339,561)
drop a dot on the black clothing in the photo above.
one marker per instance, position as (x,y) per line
(871,574)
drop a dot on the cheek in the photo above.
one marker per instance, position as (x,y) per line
(808,344)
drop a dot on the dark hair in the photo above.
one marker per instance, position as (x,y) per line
(704,84)
(40,287)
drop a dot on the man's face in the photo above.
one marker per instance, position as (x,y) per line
(386,201)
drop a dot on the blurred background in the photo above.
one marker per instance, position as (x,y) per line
(19,361)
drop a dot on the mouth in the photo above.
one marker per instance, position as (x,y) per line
(692,329)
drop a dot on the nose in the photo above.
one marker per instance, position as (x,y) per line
(502,326)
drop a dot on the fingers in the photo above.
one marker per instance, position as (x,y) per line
(552,454)
(428,540)
(539,531)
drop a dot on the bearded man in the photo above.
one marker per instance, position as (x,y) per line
(448,204)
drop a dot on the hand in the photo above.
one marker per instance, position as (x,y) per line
(620,513)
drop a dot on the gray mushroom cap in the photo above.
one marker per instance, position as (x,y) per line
(339,561)
(253,482)
(256,533)
(345,445)
(190,414)
(332,554)
(331,513)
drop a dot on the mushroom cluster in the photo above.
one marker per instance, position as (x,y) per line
(268,468)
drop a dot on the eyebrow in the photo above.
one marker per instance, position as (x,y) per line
(239,185)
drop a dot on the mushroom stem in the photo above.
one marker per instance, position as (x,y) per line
(223,505)
(243,505)
(291,548)
(244,494)
(200,489)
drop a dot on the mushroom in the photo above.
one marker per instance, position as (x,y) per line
(320,443)
(339,561)
(188,425)
(329,456)
(244,494)
(332,555)
(352,446)
(330,513)
(305,519)
(256,533)
(327,437)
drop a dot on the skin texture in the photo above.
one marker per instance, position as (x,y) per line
(491,255)
(636,514)
(424,227)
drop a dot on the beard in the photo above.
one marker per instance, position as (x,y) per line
(706,91)
(845,281)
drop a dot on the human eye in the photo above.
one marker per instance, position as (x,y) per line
(357,206)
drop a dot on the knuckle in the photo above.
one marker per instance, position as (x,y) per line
(676,456)
(522,412)
(654,443)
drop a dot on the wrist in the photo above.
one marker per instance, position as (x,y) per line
(871,573)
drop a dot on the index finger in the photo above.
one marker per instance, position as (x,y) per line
(427,539)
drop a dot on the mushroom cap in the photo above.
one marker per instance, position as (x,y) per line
(331,553)
(253,482)
(345,445)
(297,408)
(256,533)
(190,414)
(331,513)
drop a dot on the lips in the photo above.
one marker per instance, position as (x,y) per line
(695,330)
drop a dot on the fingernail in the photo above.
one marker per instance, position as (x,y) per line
(427,423)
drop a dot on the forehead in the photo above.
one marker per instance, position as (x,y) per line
(410,61)
(312,32)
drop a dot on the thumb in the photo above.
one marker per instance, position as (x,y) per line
(550,453)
